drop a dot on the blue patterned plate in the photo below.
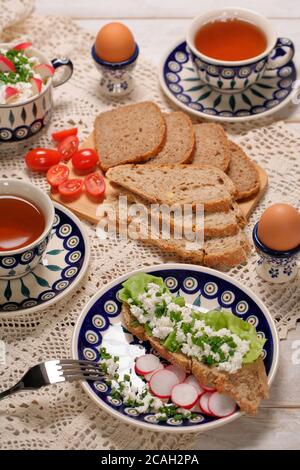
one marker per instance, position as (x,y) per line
(59,272)
(100,325)
(182,85)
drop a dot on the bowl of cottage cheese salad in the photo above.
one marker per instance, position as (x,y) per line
(182,348)
(26,82)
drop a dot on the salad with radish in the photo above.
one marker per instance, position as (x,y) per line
(22,76)
(166,391)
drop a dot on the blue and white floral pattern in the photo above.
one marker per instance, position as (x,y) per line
(116,78)
(60,270)
(275,266)
(100,325)
(218,97)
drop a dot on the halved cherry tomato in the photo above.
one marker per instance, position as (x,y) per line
(95,185)
(61,135)
(68,147)
(41,159)
(85,160)
(57,175)
(71,189)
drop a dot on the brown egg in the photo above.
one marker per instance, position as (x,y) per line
(114,43)
(279,227)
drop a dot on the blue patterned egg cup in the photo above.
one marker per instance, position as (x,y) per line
(273,266)
(101,325)
(116,78)
(24,120)
(236,76)
(19,262)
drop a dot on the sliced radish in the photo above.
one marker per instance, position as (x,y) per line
(191,379)
(221,405)
(22,46)
(44,70)
(6,65)
(203,402)
(148,376)
(10,93)
(36,84)
(178,371)
(162,383)
(208,389)
(184,395)
(147,363)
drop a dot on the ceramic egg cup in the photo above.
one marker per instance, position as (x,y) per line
(274,266)
(116,78)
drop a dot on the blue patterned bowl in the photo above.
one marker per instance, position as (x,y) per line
(24,120)
(235,76)
(18,263)
(100,325)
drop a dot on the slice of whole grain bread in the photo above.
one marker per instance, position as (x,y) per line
(211,146)
(180,140)
(177,184)
(248,386)
(131,133)
(242,172)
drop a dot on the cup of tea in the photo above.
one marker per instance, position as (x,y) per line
(26,220)
(232,47)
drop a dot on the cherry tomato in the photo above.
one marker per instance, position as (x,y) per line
(57,175)
(71,189)
(68,147)
(61,135)
(41,159)
(85,160)
(95,185)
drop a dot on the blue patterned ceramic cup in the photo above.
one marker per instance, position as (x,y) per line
(116,78)
(275,266)
(236,76)
(23,120)
(19,262)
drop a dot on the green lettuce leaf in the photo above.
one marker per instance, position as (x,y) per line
(137,284)
(224,319)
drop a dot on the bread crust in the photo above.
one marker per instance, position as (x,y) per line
(249,168)
(248,386)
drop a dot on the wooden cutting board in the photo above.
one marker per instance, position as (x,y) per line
(85,208)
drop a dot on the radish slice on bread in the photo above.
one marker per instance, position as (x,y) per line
(162,383)
(191,379)
(148,376)
(184,395)
(146,363)
(181,374)
(203,402)
(221,405)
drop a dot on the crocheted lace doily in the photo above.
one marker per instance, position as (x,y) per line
(63,416)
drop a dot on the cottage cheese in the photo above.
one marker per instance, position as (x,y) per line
(226,358)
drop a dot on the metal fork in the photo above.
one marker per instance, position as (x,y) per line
(52,372)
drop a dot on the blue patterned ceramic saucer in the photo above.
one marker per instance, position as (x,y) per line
(182,85)
(100,325)
(61,269)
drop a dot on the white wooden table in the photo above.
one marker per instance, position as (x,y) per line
(156,24)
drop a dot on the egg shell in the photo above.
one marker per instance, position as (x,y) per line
(114,43)
(279,227)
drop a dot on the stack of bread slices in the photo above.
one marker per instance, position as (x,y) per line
(157,158)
